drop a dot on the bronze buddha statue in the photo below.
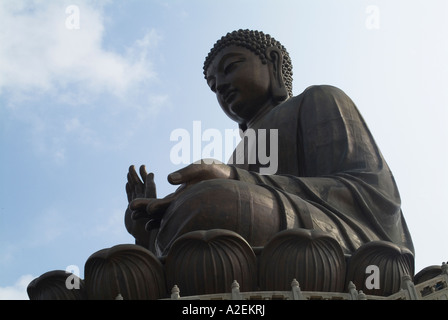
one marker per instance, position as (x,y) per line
(325,213)
(331,176)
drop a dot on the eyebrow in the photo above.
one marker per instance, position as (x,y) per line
(223,59)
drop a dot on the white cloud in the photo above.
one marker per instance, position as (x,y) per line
(38,51)
(18,290)
(63,86)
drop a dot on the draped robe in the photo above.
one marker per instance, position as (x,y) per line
(331,176)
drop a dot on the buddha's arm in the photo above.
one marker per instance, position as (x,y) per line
(308,188)
(341,169)
(336,154)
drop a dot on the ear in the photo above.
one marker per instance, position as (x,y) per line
(275,57)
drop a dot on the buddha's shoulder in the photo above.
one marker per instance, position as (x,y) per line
(313,93)
(322,90)
(318,101)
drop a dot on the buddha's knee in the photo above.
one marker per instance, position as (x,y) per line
(250,210)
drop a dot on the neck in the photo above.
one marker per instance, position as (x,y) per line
(267,107)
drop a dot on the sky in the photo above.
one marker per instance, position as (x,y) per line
(88,88)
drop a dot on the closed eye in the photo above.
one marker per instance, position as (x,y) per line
(231,66)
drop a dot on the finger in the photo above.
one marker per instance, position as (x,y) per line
(133,176)
(150,186)
(140,214)
(143,173)
(130,176)
(131,187)
(135,180)
(129,192)
(139,204)
(130,181)
(159,205)
(184,175)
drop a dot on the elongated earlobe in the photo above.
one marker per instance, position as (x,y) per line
(279,90)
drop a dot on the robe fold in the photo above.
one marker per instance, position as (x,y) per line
(331,175)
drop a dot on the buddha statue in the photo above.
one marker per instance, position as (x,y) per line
(325,216)
(330,179)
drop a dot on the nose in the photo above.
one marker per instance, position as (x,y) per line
(222,86)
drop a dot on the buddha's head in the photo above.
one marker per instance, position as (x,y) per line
(250,72)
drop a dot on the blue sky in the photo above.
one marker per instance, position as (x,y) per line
(78,106)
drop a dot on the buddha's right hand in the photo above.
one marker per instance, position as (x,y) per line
(136,188)
(140,188)
(144,207)
(202,170)
(151,208)
(139,191)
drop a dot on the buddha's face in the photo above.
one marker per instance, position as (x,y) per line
(241,83)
